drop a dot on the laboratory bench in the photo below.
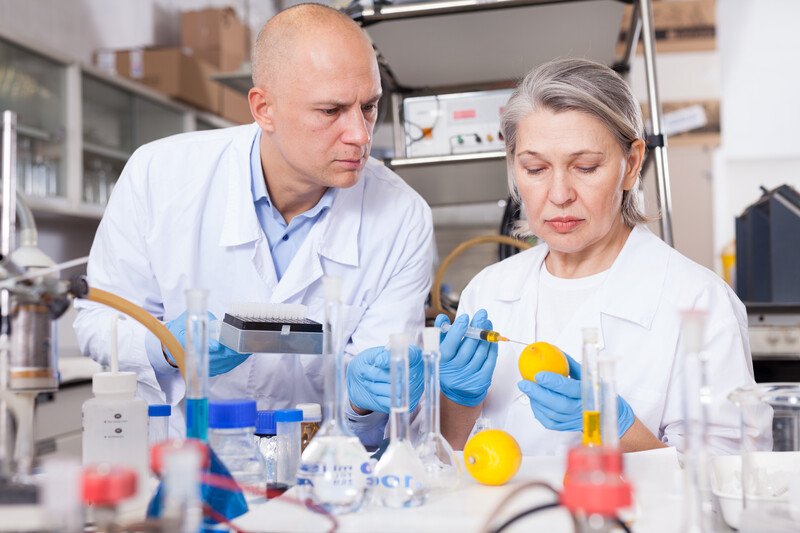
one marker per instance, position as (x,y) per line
(655,475)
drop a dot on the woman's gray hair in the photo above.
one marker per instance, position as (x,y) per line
(587,87)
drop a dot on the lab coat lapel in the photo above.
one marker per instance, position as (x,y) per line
(240,226)
(334,236)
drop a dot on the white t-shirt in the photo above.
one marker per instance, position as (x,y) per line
(560,299)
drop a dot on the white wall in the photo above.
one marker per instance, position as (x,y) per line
(759,47)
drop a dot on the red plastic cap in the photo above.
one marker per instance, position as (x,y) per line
(107,485)
(160,450)
(593,483)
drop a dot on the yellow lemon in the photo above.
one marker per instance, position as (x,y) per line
(541,356)
(492,456)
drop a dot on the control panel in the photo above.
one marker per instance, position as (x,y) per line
(452,124)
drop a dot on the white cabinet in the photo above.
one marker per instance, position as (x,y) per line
(78,126)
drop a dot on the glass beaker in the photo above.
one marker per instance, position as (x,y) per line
(770,466)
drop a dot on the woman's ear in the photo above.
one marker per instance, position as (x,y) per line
(634,161)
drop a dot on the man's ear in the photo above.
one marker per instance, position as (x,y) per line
(261,107)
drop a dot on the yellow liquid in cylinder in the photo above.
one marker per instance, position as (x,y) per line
(591,428)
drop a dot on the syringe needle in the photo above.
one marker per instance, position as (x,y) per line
(482,334)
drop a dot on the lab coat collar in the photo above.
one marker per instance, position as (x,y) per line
(640,268)
(240,224)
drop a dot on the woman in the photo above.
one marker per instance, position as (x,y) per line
(574,144)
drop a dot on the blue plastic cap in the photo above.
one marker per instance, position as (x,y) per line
(289,415)
(229,414)
(159,410)
(265,423)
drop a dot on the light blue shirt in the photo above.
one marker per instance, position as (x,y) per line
(284,239)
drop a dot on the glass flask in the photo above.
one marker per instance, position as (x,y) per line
(335,466)
(196,364)
(400,476)
(441,466)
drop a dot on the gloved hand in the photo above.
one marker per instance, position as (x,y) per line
(221,359)
(368,385)
(556,400)
(467,365)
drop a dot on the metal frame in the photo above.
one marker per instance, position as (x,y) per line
(641,27)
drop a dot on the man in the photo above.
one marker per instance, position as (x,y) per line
(260,213)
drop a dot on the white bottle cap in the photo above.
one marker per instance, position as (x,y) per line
(590,335)
(430,339)
(332,287)
(114,383)
(312,412)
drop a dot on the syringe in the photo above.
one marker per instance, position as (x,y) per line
(482,334)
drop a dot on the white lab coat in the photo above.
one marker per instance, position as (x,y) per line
(637,313)
(182,216)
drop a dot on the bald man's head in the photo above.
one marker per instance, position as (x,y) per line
(280,37)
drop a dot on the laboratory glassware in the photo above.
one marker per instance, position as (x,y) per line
(770,465)
(287,424)
(266,436)
(183,506)
(196,372)
(400,476)
(442,468)
(698,512)
(114,422)
(158,422)
(590,389)
(335,466)
(482,334)
(312,418)
(609,428)
(231,427)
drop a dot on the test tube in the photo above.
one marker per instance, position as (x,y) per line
(287,422)
(158,422)
(606,370)
(590,391)
(197,364)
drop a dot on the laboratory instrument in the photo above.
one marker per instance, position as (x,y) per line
(482,334)
(312,418)
(609,409)
(270,328)
(60,485)
(287,424)
(158,422)
(106,488)
(115,421)
(231,426)
(335,465)
(400,476)
(441,466)
(183,506)
(770,461)
(266,437)
(595,493)
(590,389)
(196,372)
(698,512)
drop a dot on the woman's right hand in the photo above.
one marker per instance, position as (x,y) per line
(467,365)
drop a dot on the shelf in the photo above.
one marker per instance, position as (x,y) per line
(34,133)
(62,206)
(241,81)
(446,159)
(105,151)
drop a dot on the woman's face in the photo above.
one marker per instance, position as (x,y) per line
(571,172)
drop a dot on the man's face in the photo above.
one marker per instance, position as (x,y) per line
(324,110)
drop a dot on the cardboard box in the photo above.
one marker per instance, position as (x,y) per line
(679,26)
(234,106)
(216,36)
(172,72)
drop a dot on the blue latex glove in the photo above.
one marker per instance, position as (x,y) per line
(467,365)
(221,359)
(368,379)
(556,400)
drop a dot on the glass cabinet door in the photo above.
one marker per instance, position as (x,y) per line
(153,120)
(107,137)
(34,87)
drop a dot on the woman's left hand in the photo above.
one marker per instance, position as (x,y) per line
(556,400)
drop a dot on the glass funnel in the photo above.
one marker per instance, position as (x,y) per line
(335,466)
(441,466)
(770,466)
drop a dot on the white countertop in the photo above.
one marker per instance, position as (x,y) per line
(655,476)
